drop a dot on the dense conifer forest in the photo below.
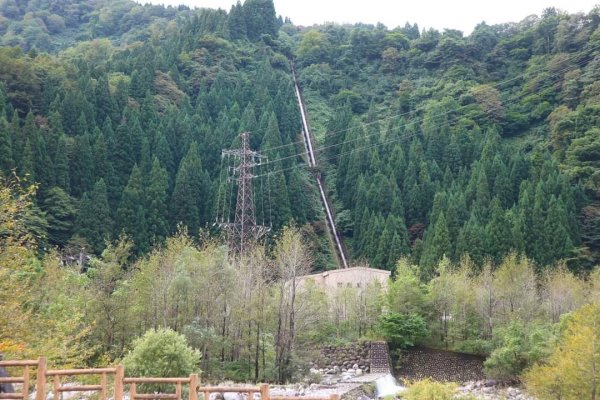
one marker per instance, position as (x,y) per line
(473,159)
(432,143)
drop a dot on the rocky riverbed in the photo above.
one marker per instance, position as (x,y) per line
(362,388)
(489,390)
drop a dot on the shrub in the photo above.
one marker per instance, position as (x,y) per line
(519,348)
(161,353)
(403,330)
(430,390)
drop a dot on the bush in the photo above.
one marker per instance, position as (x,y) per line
(161,353)
(430,390)
(403,330)
(519,348)
(314,377)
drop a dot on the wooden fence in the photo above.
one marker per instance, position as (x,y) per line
(115,378)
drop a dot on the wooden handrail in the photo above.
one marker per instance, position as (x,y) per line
(230,389)
(72,372)
(156,396)
(58,388)
(155,380)
(10,379)
(19,363)
(23,379)
(80,388)
(120,381)
(11,396)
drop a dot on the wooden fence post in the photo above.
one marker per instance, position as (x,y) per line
(194,382)
(103,384)
(132,391)
(25,390)
(119,376)
(41,379)
(178,390)
(264,391)
(56,387)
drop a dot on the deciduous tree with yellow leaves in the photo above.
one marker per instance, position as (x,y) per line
(573,370)
(41,314)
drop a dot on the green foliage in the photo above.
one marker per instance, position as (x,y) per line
(403,330)
(452,132)
(94,222)
(189,200)
(161,353)
(475,156)
(42,301)
(427,389)
(519,348)
(582,158)
(571,370)
(313,48)
(260,18)
(60,214)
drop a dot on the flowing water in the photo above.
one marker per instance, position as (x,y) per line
(387,385)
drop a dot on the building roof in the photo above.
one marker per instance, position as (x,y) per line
(348,270)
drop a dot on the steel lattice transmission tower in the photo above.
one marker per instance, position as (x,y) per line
(243,231)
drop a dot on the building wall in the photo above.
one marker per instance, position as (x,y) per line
(357,277)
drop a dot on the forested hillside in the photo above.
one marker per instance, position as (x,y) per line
(467,165)
(123,132)
(440,144)
(433,143)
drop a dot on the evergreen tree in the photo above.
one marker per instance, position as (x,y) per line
(557,232)
(381,255)
(189,199)
(102,167)
(472,240)
(336,130)
(93,222)
(80,165)
(122,155)
(104,103)
(156,203)
(499,233)
(237,22)
(482,195)
(437,243)
(162,151)
(280,200)
(131,214)
(6,156)
(540,247)
(60,214)
(61,165)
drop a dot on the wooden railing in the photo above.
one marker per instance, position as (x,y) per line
(192,381)
(119,381)
(24,379)
(58,388)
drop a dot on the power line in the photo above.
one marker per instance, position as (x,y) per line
(412,112)
(413,122)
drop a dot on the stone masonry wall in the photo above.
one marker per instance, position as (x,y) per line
(420,362)
(337,359)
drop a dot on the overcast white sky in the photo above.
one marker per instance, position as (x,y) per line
(440,14)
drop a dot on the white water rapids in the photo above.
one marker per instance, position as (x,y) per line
(387,385)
